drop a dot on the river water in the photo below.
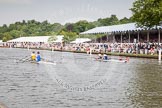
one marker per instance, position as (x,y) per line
(78,81)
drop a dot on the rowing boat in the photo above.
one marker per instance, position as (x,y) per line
(47,62)
(112,60)
(44,62)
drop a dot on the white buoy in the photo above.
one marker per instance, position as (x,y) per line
(52,49)
(90,51)
(28,47)
(10,46)
(160,54)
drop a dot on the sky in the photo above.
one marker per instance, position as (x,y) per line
(62,11)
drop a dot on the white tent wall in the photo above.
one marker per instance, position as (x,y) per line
(31,39)
(36,39)
(32,42)
(81,40)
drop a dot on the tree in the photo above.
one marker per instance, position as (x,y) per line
(15,33)
(68,36)
(71,30)
(7,36)
(147,13)
(82,26)
(125,20)
(52,38)
(113,20)
(4,29)
(56,27)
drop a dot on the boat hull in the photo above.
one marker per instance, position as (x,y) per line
(44,62)
(112,60)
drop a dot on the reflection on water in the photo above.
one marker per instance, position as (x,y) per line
(77,81)
(146,89)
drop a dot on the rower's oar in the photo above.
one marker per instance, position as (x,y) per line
(23,58)
(27,58)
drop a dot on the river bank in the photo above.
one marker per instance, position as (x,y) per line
(155,56)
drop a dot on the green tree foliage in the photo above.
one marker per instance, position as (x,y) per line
(69,36)
(147,13)
(82,26)
(28,28)
(69,30)
(15,33)
(125,20)
(113,20)
(78,27)
(52,38)
(6,36)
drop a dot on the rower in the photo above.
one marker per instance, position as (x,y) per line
(127,59)
(38,57)
(105,57)
(99,56)
(33,56)
(120,58)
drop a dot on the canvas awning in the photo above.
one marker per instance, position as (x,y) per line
(81,40)
(116,28)
(36,39)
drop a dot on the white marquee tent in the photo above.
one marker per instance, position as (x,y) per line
(123,28)
(81,40)
(36,39)
(115,28)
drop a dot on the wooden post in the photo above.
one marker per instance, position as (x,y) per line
(100,39)
(138,36)
(159,36)
(148,36)
(107,38)
(121,39)
(129,36)
(113,37)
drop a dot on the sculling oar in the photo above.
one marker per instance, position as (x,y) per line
(25,59)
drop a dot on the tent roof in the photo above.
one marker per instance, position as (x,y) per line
(36,39)
(31,39)
(81,40)
(115,28)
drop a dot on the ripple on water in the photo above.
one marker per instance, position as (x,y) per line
(25,85)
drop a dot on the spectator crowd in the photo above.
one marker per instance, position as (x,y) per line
(131,48)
